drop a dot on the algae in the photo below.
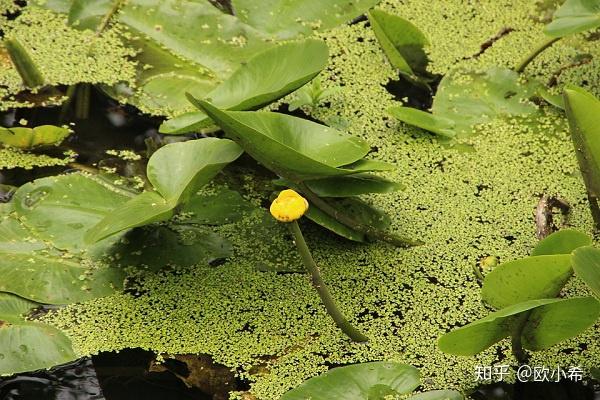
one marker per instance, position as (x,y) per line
(465,202)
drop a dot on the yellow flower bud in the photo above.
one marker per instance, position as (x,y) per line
(288,206)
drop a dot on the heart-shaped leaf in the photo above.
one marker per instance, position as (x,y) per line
(292,147)
(28,138)
(526,279)
(574,16)
(550,321)
(266,77)
(465,99)
(178,170)
(402,42)
(586,263)
(358,382)
(561,242)
(582,109)
(286,19)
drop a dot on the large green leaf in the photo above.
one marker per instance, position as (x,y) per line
(266,77)
(438,395)
(27,138)
(223,206)
(61,209)
(465,99)
(367,381)
(353,207)
(550,321)
(561,242)
(178,170)
(402,42)
(526,279)
(582,110)
(286,19)
(14,305)
(144,209)
(352,185)
(586,263)
(27,346)
(293,147)
(574,16)
(559,321)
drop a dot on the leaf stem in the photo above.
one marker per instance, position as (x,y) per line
(106,19)
(321,287)
(352,223)
(540,48)
(516,337)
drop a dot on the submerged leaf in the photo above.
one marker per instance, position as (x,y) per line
(364,381)
(223,207)
(266,77)
(586,263)
(574,16)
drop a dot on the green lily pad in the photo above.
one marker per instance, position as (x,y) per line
(402,42)
(582,108)
(561,242)
(14,305)
(292,147)
(586,263)
(286,19)
(526,279)
(28,138)
(266,77)
(367,381)
(27,346)
(222,207)
(551,321)
(574,16)
(465,99)
(438,395)
(352,185)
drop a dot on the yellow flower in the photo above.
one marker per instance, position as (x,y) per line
(288,206)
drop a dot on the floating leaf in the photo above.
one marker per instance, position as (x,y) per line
(402,42)
(561,242)
(61,209)
(223,207)
(551,320)
(14,305)
(28,346)
(559,321)
(286,19)
(465,99)
(178,170)
(438,395)
(586,263)
(574,16)
(526,279)
(266,77)
(354,208)
(293,147)
(582,108)
(27,138)
(367,381)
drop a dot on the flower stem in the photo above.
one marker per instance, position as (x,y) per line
(350,222)
(321,287)
(541,47)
